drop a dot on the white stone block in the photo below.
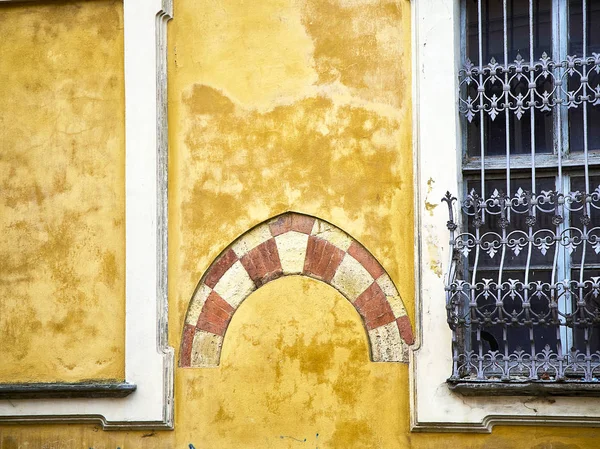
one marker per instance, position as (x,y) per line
(386,343)
(332,234)
(235,285)
(392,295)
(251,240)
(197,303)
(206,349)
(351,278)
(291,247)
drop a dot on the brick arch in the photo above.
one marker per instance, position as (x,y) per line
(294,244)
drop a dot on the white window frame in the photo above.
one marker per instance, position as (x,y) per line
(437,149)
(149,361)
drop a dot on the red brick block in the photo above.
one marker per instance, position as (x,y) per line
(218,268)
(386,318)
(373,305)
(405,330)
(215,315)
(292,222)
(302,223)
(322,259)
(366,259)
(366,296)
(210,322)
(262,263)
(282,225)
(217,306)
(185,358)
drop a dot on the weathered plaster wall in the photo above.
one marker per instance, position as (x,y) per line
(294,364)
(61,191)
(290,105)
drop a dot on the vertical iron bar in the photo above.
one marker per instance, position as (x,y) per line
(506,108)
(532,99)
(474,302)
(481,113)
(526,291)
(585,117)
(586,210)
(532,207)
(564,267)
(508,191)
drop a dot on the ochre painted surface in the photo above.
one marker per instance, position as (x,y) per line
(290,105)
(294,244)
(270,111)
(276,106)
(294,364)
(62,255)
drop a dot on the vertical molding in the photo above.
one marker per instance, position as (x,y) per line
(162,137)
(149,359)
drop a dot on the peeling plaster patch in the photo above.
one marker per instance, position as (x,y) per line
(433,249)
(430,207)
(430,183)
(253,54)
(349,50)
(436,267)
(207,100)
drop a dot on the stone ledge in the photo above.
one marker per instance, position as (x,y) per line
(66,390)
(530,388)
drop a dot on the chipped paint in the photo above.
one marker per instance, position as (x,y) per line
(430,207)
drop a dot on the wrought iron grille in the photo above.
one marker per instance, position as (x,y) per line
(523,289)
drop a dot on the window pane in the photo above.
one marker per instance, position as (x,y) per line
(592,245)
(518,45)
(518,334)
(576,27)
(591,311)
(520,134)
(517,33)
(576,128)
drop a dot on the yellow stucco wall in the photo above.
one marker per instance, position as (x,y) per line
(62,255)
(290,105)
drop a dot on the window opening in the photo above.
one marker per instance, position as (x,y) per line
(523,290)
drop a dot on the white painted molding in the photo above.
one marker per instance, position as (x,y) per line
(149,361)
(436,151)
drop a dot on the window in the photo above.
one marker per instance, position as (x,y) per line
(523,294)
(439,148)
